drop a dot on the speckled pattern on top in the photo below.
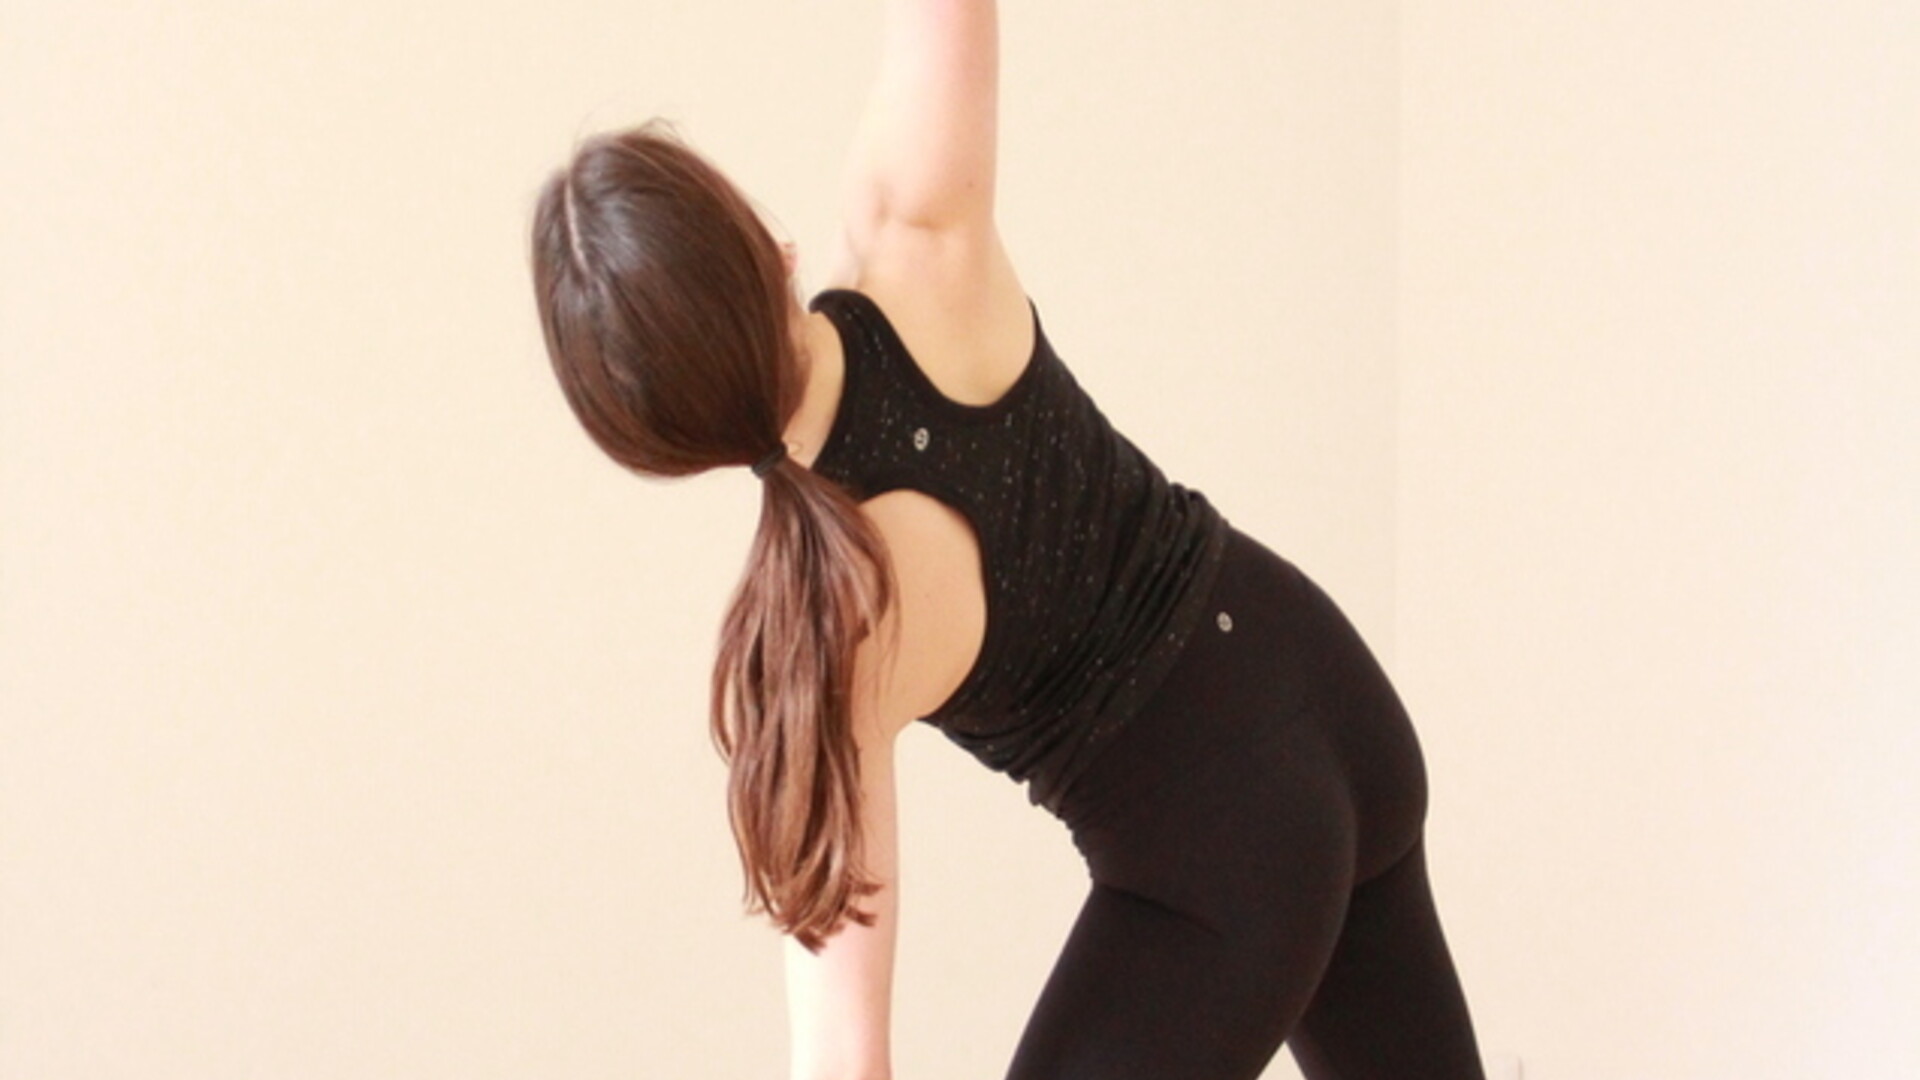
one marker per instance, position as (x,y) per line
(1097,567)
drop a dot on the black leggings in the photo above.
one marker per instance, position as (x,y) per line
(1254,839)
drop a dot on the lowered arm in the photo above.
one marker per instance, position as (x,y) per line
(839,1001)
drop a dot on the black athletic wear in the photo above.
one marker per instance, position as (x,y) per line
(1231,760)
(1254,838)
(1095,565)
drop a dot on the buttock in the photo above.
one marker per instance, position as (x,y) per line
(1275,749)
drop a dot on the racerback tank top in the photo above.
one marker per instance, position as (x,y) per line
(1096,567)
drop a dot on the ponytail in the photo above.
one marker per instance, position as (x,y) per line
(667,313)
(816,583)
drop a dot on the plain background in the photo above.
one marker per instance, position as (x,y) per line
(353,707)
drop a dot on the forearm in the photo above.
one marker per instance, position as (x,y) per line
(839,1003)
(840,999)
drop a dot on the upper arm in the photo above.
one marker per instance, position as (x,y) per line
(918,228)
(925,152)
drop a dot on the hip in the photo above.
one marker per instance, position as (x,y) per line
(1275,716)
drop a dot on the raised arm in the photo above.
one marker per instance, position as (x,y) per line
(924,155)
(919,234)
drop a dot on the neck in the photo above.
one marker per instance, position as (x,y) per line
(823,366)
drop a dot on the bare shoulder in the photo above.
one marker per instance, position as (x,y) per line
(955,300)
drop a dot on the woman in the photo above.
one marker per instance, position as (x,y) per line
(951,531)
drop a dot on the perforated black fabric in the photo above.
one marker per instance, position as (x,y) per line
(1097,567)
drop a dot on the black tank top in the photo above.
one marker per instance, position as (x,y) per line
(1095,565)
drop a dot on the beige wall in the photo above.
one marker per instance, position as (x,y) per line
(1659,498)
(354,715)
(351,708)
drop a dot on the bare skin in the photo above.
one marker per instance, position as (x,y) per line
(919,238)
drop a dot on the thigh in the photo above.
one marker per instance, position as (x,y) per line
(1219,830)
(1390,1005)
(1144,991)
(1217,901)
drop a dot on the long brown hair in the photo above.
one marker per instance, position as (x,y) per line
(666,309)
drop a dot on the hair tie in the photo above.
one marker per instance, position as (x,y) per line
(774,457)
